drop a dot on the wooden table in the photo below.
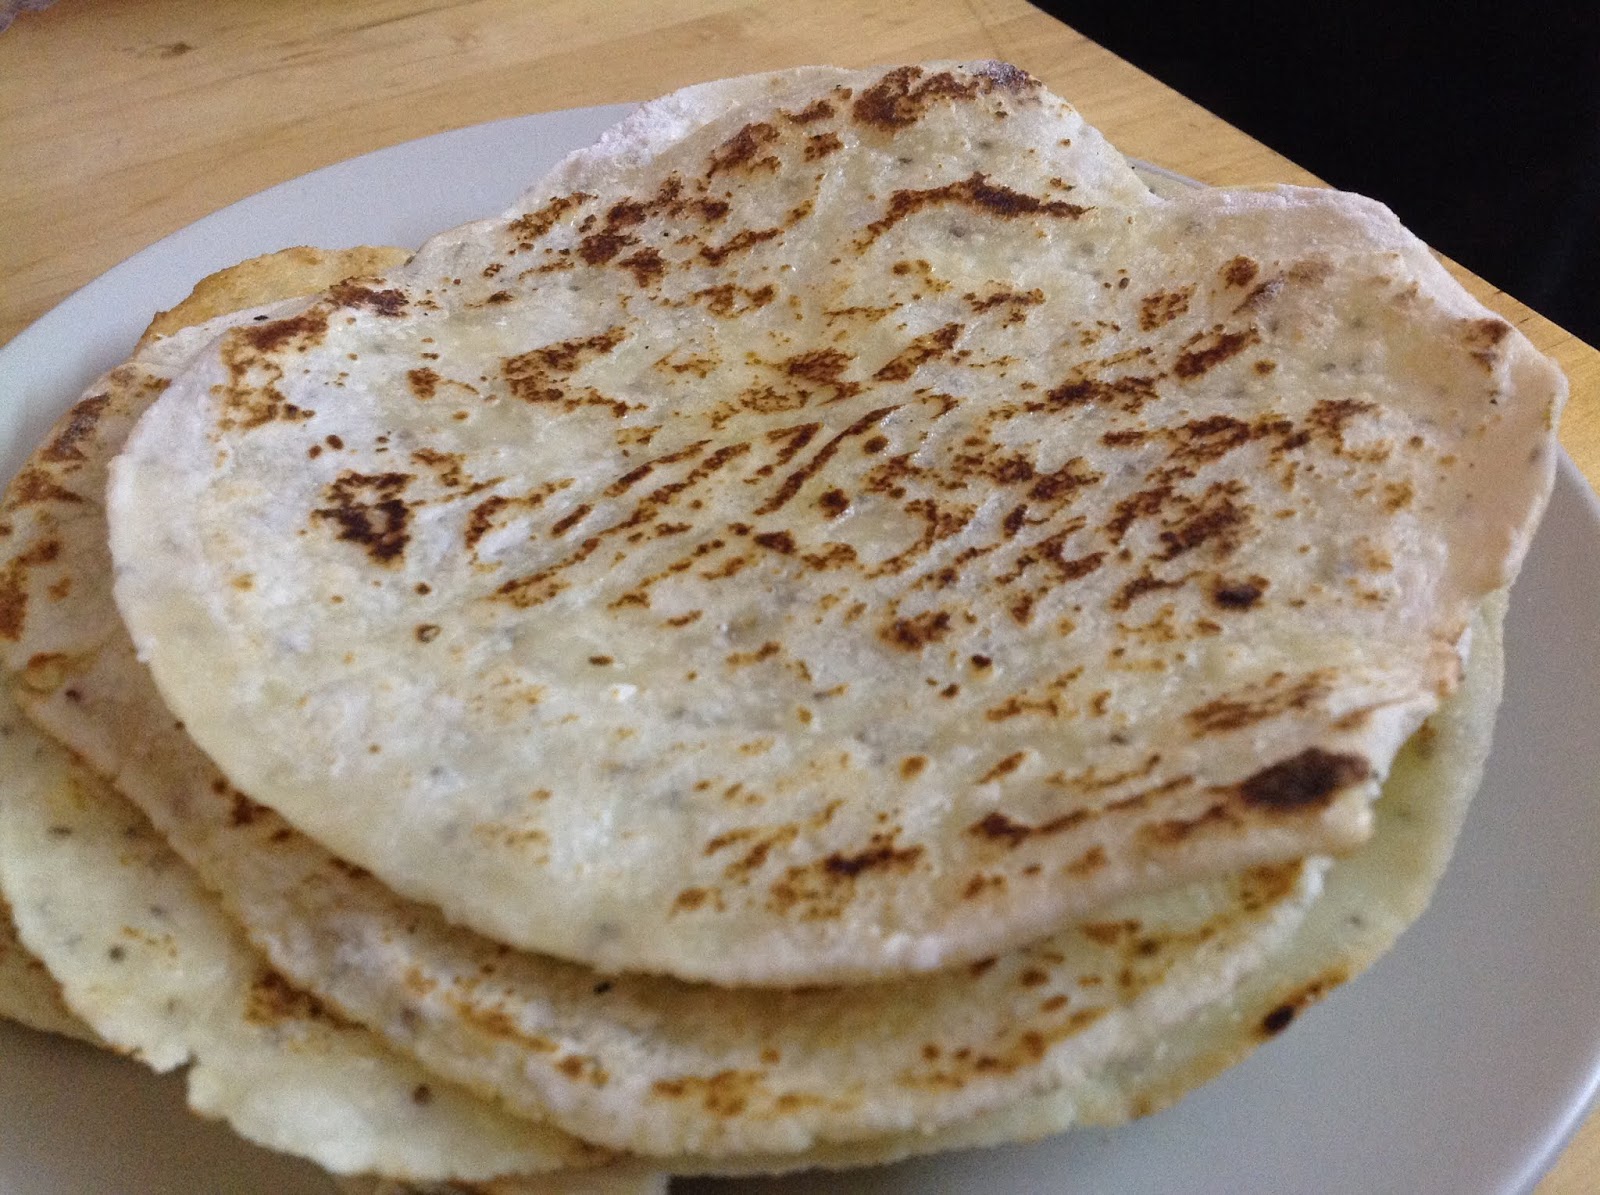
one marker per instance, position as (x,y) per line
(122,120)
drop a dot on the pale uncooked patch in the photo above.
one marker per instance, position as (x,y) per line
(876,584)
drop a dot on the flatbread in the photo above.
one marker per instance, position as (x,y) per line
(87,688)
(842,524)
(1370,898)
(90,693)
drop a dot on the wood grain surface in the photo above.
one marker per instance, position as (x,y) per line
(123,120)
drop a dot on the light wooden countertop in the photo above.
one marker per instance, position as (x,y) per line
(123,120)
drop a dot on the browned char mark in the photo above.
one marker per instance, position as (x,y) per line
(368,509)
(976,193)
(903,96)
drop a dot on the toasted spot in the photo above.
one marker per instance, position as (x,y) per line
(781,542)
(1329,418)
(1171,831)
(811,113)
(879,855)
(925,348)
(646,265)
(904,95)
(1271,699)
(1091,861)
(368,510)
(820,145)
(1126,393)
(273,1000)
(1208,350)
(304,330)
(424,382)
(35,485)
(1239,595)
(540,376)
(977,193)
(601,247)
(1284,1013)
(740,242)
(534,225)
(1303,781)
(1014,303)
(1004,768)
(726,1094)
(833,502)
(997,827)
(1239,271)
(1162,307)
(250,397)
(823,366)
(915,633)
(744,150)
(14,585)
(70,438)
(45,672)
(354,294)
(823,888)
(1482,338)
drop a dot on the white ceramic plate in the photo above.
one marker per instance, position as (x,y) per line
(1460,1063)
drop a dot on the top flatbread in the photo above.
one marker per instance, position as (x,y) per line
(645,1063)
(842,524)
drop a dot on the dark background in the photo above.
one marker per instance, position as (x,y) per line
(1479,125)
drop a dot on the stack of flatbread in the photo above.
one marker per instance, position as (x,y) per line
(842,626)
